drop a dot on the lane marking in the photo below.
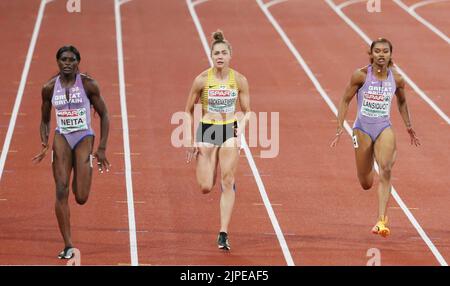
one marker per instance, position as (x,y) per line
(286,234)
(127,230)
(123,172)
(427,2)
(412,12)
(262,204)
(125,153)
(274,2)
(118,84)
(126,139)
(284,247)
(128,264)
(348,3)
(324,95)
(399,208)
(198,2)
(23,82)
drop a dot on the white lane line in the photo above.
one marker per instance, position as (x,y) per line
(301,61)
(198,2)
(398,208)
(412,12)
(122,2)
(251,162)
(126,202)
(274,2)
(316,83)
(348,3)
(200,31)
(126,138)
(261,204)
(427,2)
(23,82)
(405,76)
(419,229)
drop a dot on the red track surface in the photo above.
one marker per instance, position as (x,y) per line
(20,18)
(434,13)
(322,211)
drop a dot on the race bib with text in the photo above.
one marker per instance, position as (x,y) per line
(377,101)
(222,100)
(71,120)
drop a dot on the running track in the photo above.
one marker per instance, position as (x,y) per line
(323,214)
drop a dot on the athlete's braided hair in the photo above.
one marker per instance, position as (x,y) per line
(384,41)
(68,49)
(219,38)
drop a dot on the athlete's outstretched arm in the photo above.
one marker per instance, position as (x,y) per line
(403,108)
(46,107)
(356,82)
(194,95)
(93,92)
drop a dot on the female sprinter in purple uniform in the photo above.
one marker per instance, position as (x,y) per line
(219,89)
(72,94)
(373,137)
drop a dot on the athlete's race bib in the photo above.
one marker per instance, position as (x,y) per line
(377,101)
(71,120)
(222,100)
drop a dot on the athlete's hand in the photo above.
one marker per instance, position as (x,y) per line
(38,158)
(102,162)
(240,127)
(191,153)
(336,138)
(237,133)
(412,134)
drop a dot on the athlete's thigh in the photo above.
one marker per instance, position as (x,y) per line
(83,165)
(206,161)
(385,148)
(61,160)
(363,152)
(229,157)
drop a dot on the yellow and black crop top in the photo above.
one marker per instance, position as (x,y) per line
(219,97)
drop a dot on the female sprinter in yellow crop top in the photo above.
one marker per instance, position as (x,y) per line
(219,88)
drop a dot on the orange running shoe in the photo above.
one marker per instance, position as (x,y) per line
(381,228)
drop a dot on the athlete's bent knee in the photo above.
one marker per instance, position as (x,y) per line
(385,171)
(206,188)
(366,182)
(227,181)
(81,200)
(62,191)
(366,186)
